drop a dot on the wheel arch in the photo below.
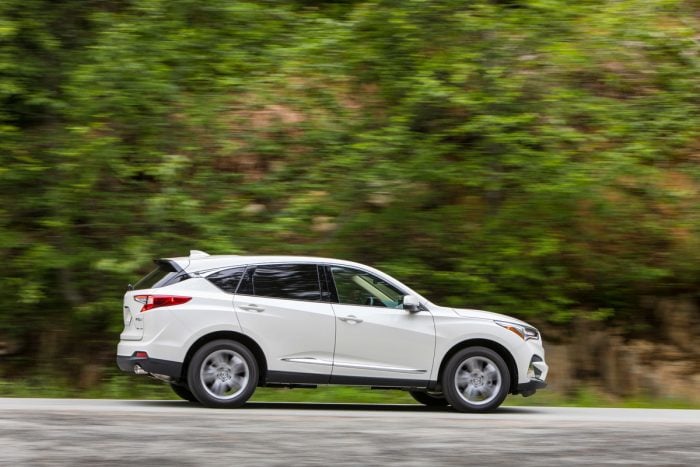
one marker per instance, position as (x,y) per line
(489,344)
(253,346)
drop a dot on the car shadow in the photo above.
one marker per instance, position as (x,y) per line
(415,408)
(344,406)
(370,407)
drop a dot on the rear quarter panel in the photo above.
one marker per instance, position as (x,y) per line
(173,330)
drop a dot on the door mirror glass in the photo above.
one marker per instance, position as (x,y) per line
(411,303)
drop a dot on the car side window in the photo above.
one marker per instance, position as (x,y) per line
(246,285)
(228,279)
(356,287)
(287,281)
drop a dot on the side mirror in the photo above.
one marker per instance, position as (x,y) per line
(411,303)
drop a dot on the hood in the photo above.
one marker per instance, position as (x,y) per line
(480,314)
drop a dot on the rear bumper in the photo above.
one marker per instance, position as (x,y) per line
(152,366)
(529,388)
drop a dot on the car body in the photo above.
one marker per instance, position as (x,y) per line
(215,327)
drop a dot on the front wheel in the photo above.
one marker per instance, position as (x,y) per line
(429,399)
(476,379)
(223,374)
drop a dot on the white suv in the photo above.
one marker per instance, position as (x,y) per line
(216,327)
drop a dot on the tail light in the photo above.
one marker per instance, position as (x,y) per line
(156,301)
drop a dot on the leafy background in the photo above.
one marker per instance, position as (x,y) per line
(534,157)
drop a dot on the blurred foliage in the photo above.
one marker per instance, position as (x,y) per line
(537,157)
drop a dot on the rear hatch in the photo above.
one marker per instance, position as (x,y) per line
(166,272)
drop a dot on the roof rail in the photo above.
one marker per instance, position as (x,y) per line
(198,254)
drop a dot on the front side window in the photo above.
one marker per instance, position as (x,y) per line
(287,281)
(356,287)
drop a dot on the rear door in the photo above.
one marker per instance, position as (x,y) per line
(282,307)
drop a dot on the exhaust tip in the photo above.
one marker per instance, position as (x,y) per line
(139,371)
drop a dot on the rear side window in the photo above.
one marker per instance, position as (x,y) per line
(288,281)
(228,279)
(160,276)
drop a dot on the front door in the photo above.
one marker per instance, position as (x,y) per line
(377,341)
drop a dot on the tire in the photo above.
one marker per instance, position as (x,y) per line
(222,374)
(431,400)
(476,379)
(183,392)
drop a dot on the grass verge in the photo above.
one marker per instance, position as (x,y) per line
(126,387)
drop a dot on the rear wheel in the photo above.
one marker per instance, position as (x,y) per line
(476,379)
(434,399)
(223,373)
(184,393)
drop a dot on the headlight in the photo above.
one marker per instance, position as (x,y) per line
(524,332)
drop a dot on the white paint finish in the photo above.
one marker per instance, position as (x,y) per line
(376,337)
(359,340)
(452,329)
(289,329)
(133,320)
(362,366)
(168,332)
(489,315)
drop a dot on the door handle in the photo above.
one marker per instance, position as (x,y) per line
(251,307)
(350,319)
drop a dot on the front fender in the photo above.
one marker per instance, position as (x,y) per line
(452,332)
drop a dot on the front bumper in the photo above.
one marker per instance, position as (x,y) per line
(529,388)
(155,367)
(536,375)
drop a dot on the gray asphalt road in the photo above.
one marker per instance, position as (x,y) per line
(135,433)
